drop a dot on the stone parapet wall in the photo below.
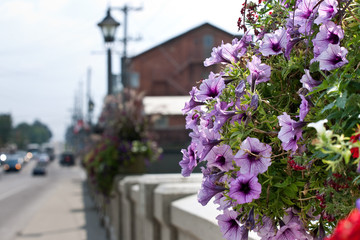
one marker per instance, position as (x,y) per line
(160,207)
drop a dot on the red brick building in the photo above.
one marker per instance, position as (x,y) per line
(173,67)
(167,73)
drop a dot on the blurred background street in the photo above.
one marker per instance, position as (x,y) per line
(91,90)
(55,206)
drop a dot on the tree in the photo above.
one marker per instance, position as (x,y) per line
(24,134)
(5,129)
(39,133)
(20,135)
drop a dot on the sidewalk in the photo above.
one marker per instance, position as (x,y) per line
(67,214)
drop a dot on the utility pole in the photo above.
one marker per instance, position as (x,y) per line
(125,39)
(89,100)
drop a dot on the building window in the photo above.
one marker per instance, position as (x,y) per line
(208,41)
(162,122)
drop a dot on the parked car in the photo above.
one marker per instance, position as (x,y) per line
(43,157)
(67,159)
(39,169)
(13,163)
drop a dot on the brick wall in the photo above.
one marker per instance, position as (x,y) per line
(172,68)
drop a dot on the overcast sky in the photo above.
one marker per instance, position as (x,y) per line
(47,47)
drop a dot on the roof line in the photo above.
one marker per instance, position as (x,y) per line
(182,34)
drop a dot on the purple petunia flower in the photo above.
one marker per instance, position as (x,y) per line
(207,139)
(220,157)
(259,72)
(292,27)
(304,108)
(250,221)
(192,119)
(218,55)
(357,203)
(290,132)
(206,120)
(221,114)
(329,33)
(290,231)
(188,162)
(211,88)
(240,46)
(253,156)
(332,58)
(273,43)
(327,10)
(231,227)
(304,15)
(240,89)
(229,53)
(245,188)
(289,46)
(193,103)
(209,188)
(254,102)
(222,201)
(305,9)
(292,216)
(267,229)
(308,82)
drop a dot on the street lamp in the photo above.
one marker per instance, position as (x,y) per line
(108,28)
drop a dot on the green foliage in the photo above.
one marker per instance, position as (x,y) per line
(5,129)
(25,133)
(124,146)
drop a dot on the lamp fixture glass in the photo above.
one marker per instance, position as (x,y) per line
(108,27)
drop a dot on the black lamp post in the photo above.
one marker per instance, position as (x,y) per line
(108,28)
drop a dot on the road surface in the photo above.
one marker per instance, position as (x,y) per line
(22,194)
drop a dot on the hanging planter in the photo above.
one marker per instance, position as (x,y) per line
(277,126)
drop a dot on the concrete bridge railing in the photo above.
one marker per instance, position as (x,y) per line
(159,207)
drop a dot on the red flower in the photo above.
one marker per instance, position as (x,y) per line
(355,151)
(348,228)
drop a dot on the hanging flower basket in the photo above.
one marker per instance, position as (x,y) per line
(277,126)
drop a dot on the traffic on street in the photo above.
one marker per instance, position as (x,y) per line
(25,185)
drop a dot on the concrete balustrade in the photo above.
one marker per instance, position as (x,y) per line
(128,197)
(161,207)
(194,221)
(164,195)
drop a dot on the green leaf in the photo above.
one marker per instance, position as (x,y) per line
(341,101)
(287,201)
(300,184)
(329,106)
(293,187)
(283,184)
(314,67)
(289,193)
